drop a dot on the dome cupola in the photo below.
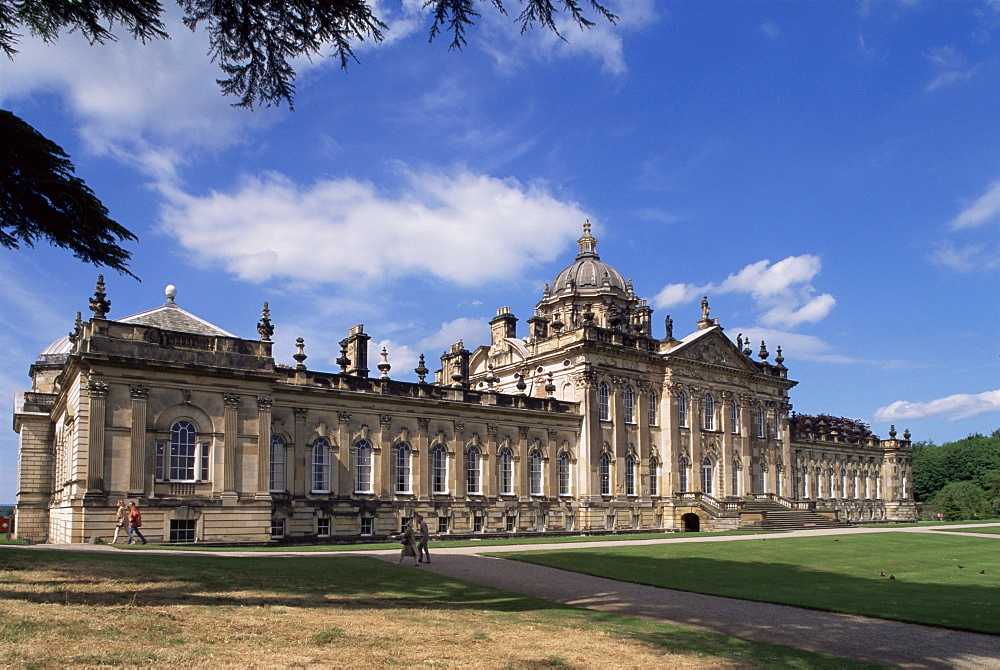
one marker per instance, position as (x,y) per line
(588,274)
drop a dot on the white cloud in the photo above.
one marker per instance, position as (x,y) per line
(782,291)
(952,408)
(982,211)
(966,258)
(502,38)
(770,29)
(950,66)
(465,228)
(797,346)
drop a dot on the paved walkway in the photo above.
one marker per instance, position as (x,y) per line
(862,638)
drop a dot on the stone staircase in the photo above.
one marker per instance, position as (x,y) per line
(778,517)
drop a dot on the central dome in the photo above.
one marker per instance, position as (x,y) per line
(588,273)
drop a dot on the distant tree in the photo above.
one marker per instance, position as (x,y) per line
(992,489)
(962,500)
(41,198)
(253,41)
(969,459)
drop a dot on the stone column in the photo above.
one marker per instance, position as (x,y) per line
(264,404)
(137,449)
(521,465)
(490,459)
(456,474)
(300,463)
(420,463)
(230,427)
(344,468)
(383,470)
(98,392)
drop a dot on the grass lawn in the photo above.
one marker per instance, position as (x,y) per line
(437,543)
(840,574)
(60,609)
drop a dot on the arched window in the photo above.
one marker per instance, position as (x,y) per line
(276,474)
(439,469)
(403,455)
(761,478)
(761,424)
(321,465)
(604,397)
(843,483)
(535,472)
(506,472)
(777,425)
(564,489)
(777,479)
(183,451)
(709,412)
(682,474)
(473,465)
(630,475)
(629,405)
(362,467)
(654,477)
(682,409)
(736,479)
(734,417)
(654,408)
(605,475)
(707,473)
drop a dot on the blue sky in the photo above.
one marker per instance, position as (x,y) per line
(828,173)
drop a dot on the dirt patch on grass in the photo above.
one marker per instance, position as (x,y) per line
(102,615)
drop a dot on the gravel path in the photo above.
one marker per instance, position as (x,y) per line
(861,638)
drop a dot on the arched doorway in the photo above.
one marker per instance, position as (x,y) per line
(691,523)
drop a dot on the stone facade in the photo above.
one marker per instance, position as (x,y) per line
(588,424)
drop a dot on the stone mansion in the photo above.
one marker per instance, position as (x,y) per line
(584,421)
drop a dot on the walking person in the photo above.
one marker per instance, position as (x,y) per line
(423,537)
(134,523)
(409,547)
(121,516)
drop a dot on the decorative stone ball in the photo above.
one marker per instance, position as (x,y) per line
(170,291)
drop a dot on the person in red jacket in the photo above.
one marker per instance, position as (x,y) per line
(134,523)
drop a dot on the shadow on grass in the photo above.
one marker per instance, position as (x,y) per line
(345,583)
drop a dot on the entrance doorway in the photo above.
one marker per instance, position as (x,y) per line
(692,524)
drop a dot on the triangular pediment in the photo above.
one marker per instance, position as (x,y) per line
(712,346)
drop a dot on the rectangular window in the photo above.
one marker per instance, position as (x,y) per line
(609,522)
(569,522)
(367,525)
(654,478)
(161,449)
(443,524)
(182,530)
(734,418)
(204,461)
(181,461)
(635,521)
(277,527)
(477,524)
(323,527)
(403,520)
(510,523)
(540,523)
